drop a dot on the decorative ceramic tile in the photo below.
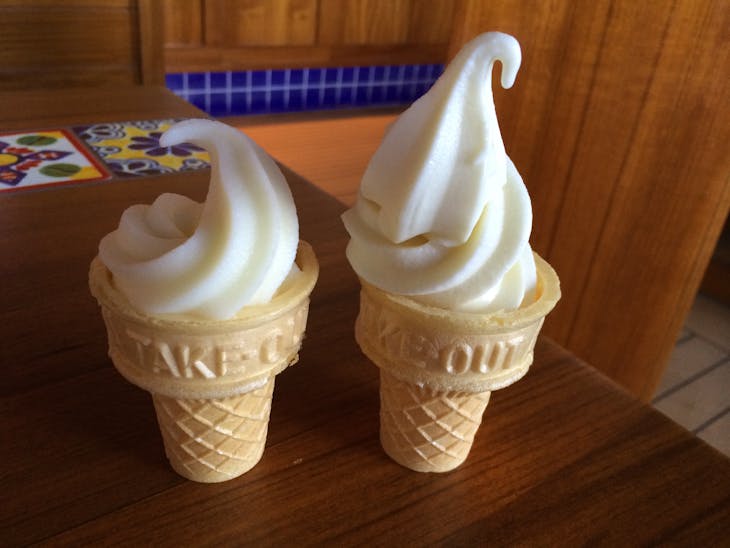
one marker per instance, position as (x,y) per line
(41,158)
(133,148)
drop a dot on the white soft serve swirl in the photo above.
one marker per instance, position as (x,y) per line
(177,256)
(442,214)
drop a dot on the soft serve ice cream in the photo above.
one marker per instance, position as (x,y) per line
(204,304)
(442,215)
(452,297)
(177,256)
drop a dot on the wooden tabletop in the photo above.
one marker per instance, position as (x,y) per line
(563,457)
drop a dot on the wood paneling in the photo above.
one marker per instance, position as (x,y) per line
(619,125)
(236,23)
(246,34)
(385,22)
(213,59)
(79,43)
(182,23)
(151,61)
(430,21)
(363,22)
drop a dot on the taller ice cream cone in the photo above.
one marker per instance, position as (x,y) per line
(452,297)
(211,381)
(438,368)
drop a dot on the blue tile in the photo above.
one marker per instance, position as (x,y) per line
(348,74)
(407,97)
(312,98)
(363,74)
(219,110)
(409,73)
(258,78)
(392,94)
(277,101)
(278,77)
(296,76)
(361,96)
(296,101)
(239,78)
(197,99)
(258,102)
(315,75)
(330,76)
(407,93)
(330,98)
(238,101)
(174,81)
(421,89)
(379,74)
(196,80)
(377,95)
(424,71)
(218,80)
(218,105)
(345,96)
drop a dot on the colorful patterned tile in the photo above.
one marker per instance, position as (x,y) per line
(131,149)
(42,158)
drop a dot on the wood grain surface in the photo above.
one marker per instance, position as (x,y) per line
(563,457)
(33,109)
(619,125)
(248,34)
(80,43)
(241,23)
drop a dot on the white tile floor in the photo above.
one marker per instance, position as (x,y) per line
(695,389)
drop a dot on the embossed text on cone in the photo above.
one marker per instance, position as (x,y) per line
(211,381)
(438,368)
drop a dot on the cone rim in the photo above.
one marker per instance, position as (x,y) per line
(101,283)
(548,289)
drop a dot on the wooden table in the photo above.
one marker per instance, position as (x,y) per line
(563,457)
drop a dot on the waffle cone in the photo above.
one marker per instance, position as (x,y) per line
(439,367)
(211,381)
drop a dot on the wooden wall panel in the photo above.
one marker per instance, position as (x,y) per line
(78,43)
(151,61)
(669,203)
(254,34)
(619,125)
(431,21)
(361,22)
(182,22)
(240,23)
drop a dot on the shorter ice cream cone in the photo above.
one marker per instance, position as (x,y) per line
(211,381)
(438,368)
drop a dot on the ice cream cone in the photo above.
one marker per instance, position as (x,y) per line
(438,368)
(211,381)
